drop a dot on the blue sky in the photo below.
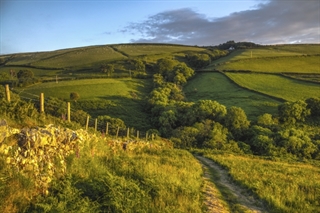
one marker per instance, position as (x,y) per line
(44,25)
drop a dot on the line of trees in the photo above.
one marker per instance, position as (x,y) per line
(293,132)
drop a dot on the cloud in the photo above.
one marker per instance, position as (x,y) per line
(275,21)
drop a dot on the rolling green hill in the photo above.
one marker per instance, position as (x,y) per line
(275,59)
(272,154)
(216,86)
(120,98)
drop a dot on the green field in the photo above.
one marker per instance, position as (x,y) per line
(86,57)
(124,97)
(285,187)
(277,58)
(83,57)
(276,85)
(151,49)
(216,86)
(300,64)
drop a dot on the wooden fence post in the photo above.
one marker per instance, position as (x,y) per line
(128,132)
(137,134)
(107,128)
(117,132)
(41,102)
(87,123)
(146,136)
(96,124)
(68,111)
(8,93)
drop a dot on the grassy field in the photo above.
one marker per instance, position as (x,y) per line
(276,58)
(284,186)
(299,64)
(216,86)
(81,58)
(152,49)
(36,71)
(86,57)
(276,85)
(125,96)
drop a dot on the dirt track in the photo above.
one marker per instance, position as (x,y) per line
(212,200)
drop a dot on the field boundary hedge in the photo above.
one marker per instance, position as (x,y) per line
(251,90)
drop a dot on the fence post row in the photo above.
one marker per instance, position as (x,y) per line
(41,100)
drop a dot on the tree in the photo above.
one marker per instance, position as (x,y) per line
(236,121)
(164,66)
(138,65)
(218,137)
(297,142)
(107,68)
(25,74)
(265,120)
(291,112)
(158,80)
(314,105)
(25,77)
(208,109)
(181,73)
(74,96)
(198,60)
(185,137)
(160,96)
(167,121)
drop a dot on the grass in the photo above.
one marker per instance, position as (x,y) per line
(36,71)
(284,186)
(84,57)
(152,49)
(125,97)
(102,177)
(92,56)
(276,85)
(299,64)
(216,86)
(276,58)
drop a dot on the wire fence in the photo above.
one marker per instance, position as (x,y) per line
(105,128)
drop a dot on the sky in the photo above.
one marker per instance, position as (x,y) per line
(45,25)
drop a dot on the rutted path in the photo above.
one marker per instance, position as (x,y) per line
(213,197)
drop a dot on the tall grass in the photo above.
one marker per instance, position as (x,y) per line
(102,177)
(285,187)
(276,85)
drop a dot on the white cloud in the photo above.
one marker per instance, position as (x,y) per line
(275,21)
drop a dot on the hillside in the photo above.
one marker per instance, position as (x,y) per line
(138,110)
